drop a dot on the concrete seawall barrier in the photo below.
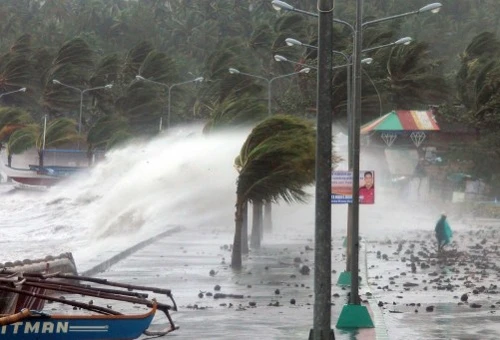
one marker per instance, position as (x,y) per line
(106,264)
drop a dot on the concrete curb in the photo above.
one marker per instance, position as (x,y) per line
(378,318)
(105,265)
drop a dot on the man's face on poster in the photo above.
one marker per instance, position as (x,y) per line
(368,180)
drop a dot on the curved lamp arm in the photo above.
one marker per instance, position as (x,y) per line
(236,71)
(22,89)
(55,81)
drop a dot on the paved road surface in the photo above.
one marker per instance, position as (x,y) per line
(183,261)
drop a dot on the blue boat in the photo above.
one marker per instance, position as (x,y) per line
(98,323)
(31,325)
(57,170)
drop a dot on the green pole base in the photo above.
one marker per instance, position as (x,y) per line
(344,279)
(354,316)
(344,244)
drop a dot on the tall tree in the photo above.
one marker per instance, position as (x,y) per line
(58,132)
(275,162)
(414,78)
(71,65)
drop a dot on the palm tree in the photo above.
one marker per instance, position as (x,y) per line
(108,71)
(12,119)
(414,77)
(222,83)
(108,131)
(15,72)
(244,214)
(478,73)
(234,112)
(141,105)
(276,161)
(134,59)
(478,88)
(71,65)
(58,132)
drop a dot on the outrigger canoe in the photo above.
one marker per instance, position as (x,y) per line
(101,323)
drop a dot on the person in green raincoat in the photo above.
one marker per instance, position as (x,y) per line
(443,232)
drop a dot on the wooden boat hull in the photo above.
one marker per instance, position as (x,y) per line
(37,176)
(30,177)
(39,181)
(77,327)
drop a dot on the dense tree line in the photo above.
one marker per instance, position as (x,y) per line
(451,63)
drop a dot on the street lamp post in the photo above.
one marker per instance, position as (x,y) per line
(354,148)
(22,89)
(169,90)
(268,207)
(82,92)
(269,82)
(345,319)
(345,277)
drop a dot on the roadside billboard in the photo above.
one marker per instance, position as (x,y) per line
(342,187)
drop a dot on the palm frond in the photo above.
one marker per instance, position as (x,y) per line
(23,139)
(59,131)
(235,112)
(277,160)
(106,129)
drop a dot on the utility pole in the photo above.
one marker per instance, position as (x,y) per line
(323,213)
(355,315)
(356,125)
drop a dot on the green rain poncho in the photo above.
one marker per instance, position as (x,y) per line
(443,231)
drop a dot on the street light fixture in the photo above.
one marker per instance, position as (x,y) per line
(279,5)
(433,8)
(82,92)
(22,89)
(280,58)
(270,81)
(169,89)
(402,41)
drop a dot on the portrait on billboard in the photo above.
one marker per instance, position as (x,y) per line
(367,188)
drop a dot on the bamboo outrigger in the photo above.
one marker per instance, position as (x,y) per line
(104,324)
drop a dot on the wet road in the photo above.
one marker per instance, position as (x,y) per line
(277,298)
(424,304)
(424,296)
